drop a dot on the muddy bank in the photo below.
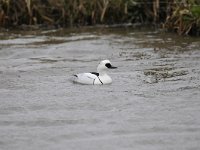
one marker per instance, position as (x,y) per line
(153,102)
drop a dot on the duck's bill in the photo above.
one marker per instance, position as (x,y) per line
(112,67)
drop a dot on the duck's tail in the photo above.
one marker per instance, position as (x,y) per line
(74,78)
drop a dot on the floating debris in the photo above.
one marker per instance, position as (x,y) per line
(135,55)
(156,74)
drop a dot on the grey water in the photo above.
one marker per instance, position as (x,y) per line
(152,104)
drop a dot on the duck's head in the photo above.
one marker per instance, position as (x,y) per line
(104,66)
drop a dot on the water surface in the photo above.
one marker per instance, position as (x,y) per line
(152,104)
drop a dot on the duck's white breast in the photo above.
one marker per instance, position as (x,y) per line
(105,79)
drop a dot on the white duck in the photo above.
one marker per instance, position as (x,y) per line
(99,77)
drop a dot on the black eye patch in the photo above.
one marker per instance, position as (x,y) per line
(108,65)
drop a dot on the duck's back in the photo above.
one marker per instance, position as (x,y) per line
(85,78)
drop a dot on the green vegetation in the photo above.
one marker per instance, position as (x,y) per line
(182,16)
